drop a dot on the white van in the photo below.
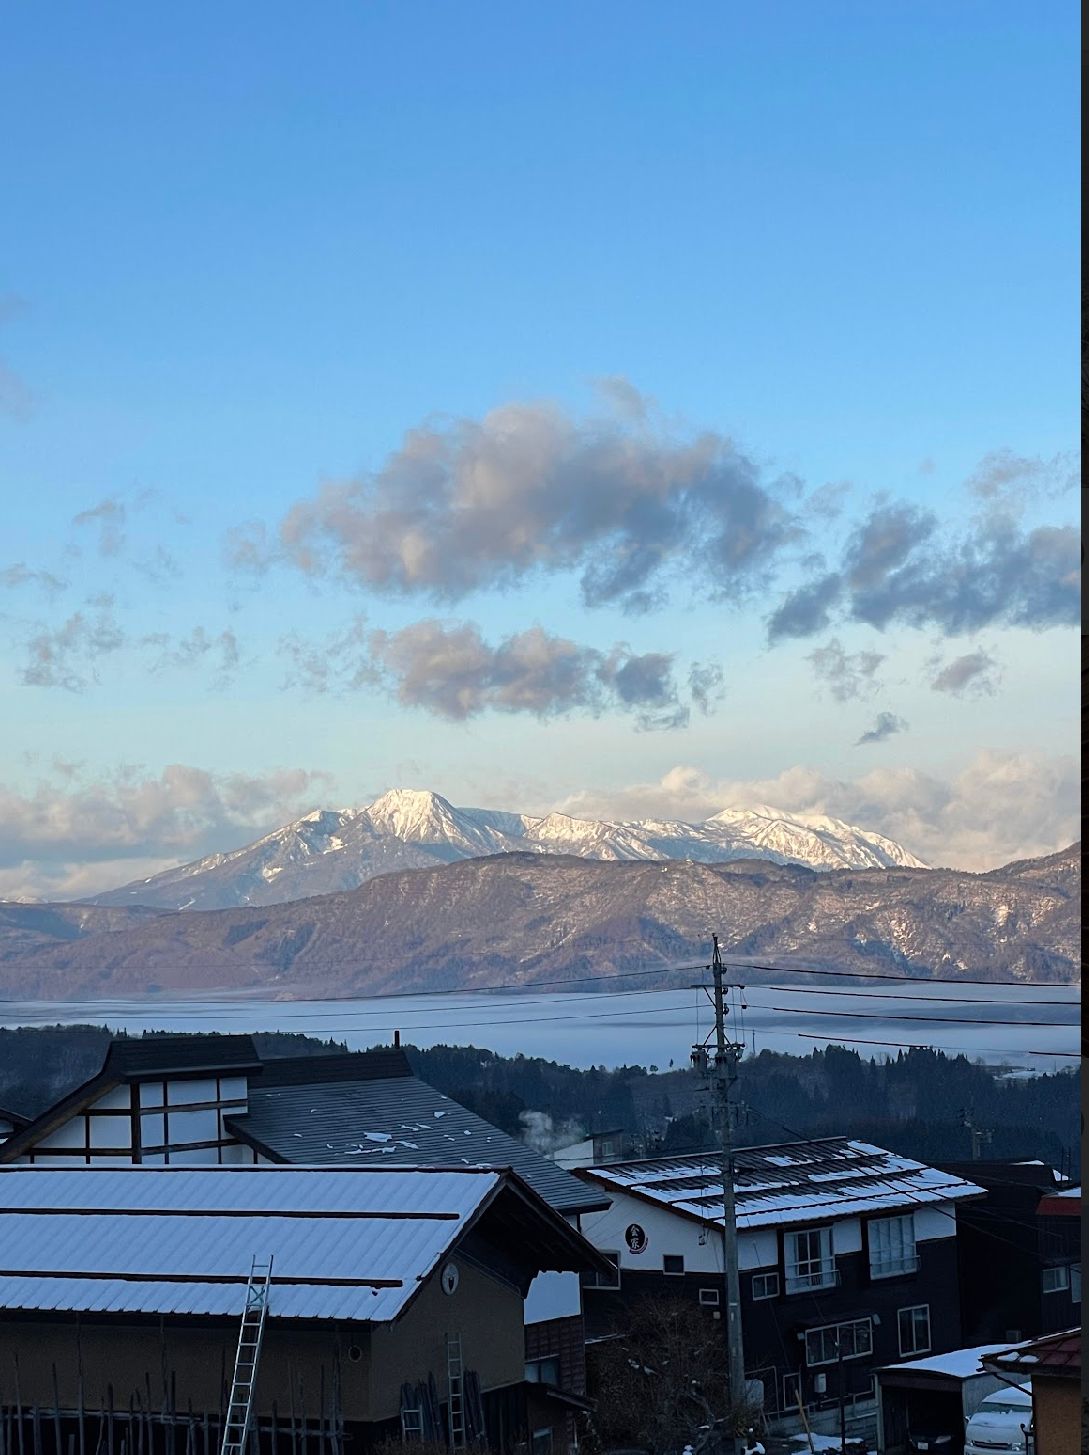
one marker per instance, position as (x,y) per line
(998,1425)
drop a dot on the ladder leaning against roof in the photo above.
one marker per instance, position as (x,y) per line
(240,1405)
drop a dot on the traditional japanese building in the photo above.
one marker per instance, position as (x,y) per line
(211,1100)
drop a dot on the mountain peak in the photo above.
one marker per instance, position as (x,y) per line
(415,828)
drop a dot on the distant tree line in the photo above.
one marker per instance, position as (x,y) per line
(914,1104)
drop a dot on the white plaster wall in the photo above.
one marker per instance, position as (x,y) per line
(180,1092)
(70,1134)
(700,1246)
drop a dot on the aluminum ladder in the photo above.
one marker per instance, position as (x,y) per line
(455,1384)
(236,1427)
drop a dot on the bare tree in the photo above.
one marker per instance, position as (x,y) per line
(661,1384)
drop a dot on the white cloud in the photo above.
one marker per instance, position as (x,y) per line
(999,807)
(79,837)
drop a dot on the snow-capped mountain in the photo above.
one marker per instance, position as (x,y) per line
(405,828)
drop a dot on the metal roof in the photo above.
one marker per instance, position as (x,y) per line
(793,1182)
(393,1121)
(348,1243)
(1055,1354)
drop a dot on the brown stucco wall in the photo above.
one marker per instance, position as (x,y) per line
(486,1312)
(1056,1413)
(126,1356)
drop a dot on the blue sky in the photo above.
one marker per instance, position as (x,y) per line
(253,248)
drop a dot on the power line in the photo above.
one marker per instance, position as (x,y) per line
(859,1015)
(888,975)
(906,995)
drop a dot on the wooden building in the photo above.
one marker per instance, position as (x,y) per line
(847,1254)
(10,1122)
(211,1100)
(122,1290)
(1030,1220)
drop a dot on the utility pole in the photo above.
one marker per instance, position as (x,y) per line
(981,1136)
(721,1072)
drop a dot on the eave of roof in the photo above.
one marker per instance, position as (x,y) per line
(1054,1356)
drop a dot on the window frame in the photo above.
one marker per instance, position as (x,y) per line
(825,1261)
(1075,1283)
(713,1299)
(905,1264)
(536,1366)
(834,1330)
(673,1272)
(1063,1286)
(768,1275)
(593,1278)
(914,1308)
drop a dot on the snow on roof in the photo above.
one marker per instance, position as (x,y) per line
(956,1364)
(347,1243)
(831,1178)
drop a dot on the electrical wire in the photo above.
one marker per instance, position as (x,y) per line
(859,1015)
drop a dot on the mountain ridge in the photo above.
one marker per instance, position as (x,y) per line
(330,850)
(521,918)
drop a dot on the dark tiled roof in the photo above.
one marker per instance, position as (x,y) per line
(131,1057)
(14,1117)
(379,1065)
(396,1120)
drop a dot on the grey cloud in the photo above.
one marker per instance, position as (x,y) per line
(973,674)
(897,571)
(465,505)
(220,650)
(846,675)
(449,669)
(20,574)
(1004,476)
(807,610)
(108,518)
(886,725)
(65,656)
(706,685)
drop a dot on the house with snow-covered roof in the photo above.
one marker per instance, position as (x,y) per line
(393,1292)
(189,1100)
(847,1256)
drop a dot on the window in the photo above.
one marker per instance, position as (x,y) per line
(765,1285)
(541,1444)
(1075,1282)
(892,1246)
(914,1329)
(828,1344)
(672,1263)
(602,1280)
(1056,1280)
(709,1297)
(792,1388)
(809,1261)
(543,1371)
